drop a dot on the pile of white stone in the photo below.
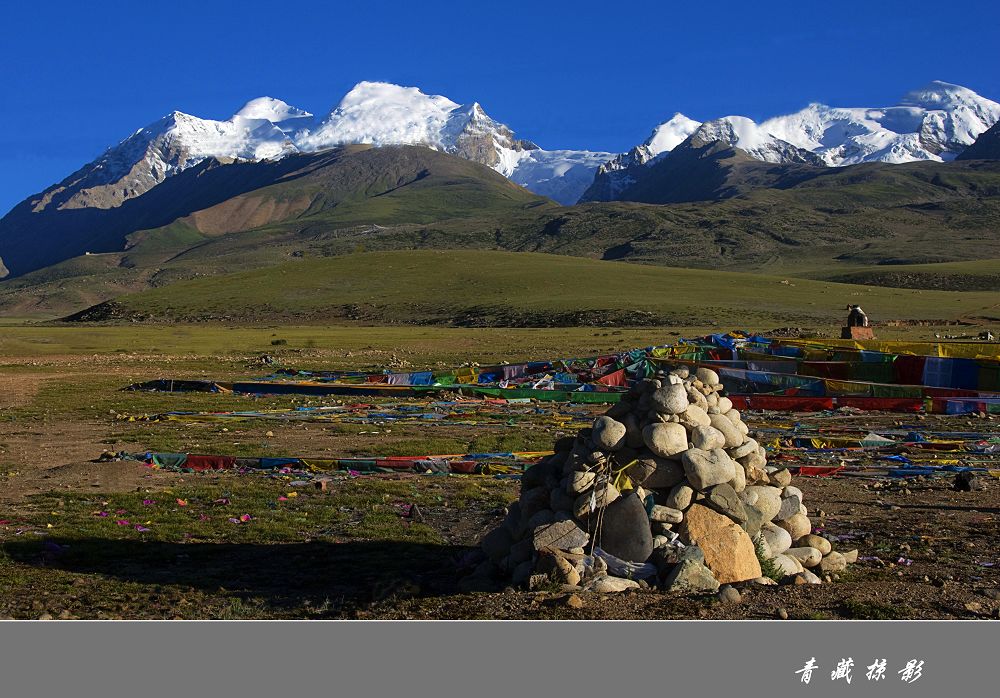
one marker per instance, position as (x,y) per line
(669,489)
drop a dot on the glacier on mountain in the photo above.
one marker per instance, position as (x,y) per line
(561,175)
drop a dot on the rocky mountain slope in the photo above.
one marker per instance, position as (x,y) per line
(986,147)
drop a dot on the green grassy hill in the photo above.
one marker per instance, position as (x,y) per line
(859,224)
(980,275)
(484,288)
(349,185)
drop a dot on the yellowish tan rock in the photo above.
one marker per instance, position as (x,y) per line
(729,551)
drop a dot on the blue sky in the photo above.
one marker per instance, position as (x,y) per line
(77,77)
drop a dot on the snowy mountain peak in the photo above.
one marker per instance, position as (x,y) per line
(663,139)
(172,119)
(731,130)
(165,147)
(381,113)
(745,134)
(938,94)
(670,134)
(376,113)
(387,95)
(271,109)
(183,140)
(615,175)
(935,122)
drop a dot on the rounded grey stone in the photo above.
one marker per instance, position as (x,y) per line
(705,468)
(807,556)
(680,496)
(666,473)
(739,481)
(665,440)
(729,594)
(670,399)
(768,500)
(745,449)
(778,539)
(707,438)
(707,376)
(695,416)
(608,434)
(734,437)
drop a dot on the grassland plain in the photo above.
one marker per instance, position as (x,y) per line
(493,288)
(247,546)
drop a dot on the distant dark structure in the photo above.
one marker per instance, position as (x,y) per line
(857,325)
(857,317)
(967,482)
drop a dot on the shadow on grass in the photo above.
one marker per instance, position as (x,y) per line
(346,575)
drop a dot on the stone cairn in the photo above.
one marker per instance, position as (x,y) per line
(668,489)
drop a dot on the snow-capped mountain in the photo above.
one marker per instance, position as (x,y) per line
(936,122)
(561,175)
(267,128)
(663,139)
(741,132)
(385,114)
(615,174)
(171,145)
(286,117)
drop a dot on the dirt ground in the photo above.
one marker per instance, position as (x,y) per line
(925,550)
(930,556)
